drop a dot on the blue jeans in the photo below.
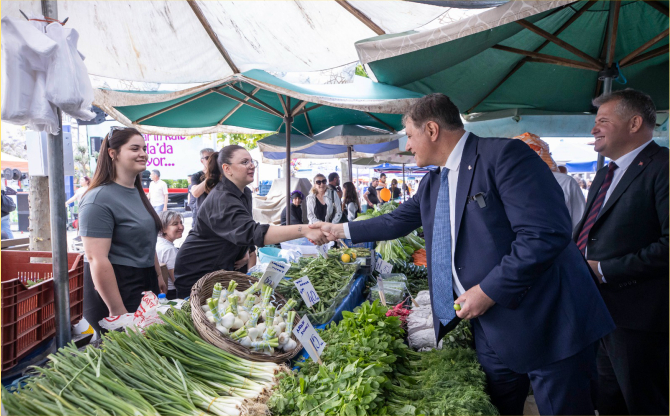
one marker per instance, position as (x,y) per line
(6,227)
(159,208)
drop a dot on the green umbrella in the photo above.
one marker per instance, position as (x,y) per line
(257,100)
(532,57)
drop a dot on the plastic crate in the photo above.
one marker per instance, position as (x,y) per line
(28,314)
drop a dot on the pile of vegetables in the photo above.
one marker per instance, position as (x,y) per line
(31,283)
(329,276)
(238,315)
(169,370)
(368,370)
(400,248)
(420,258)
(357,251)
(417,276)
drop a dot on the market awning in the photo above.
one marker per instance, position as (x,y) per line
(12,162)
(531,55)
(256,100)
(168,41)
(333,151)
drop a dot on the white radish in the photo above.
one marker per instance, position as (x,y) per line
(254,333)
(261,327)
(278,320)
(290,345)
(211,319)
(205,308)
(237,323)
(223,329)
(281,328)
(228,320)
(243,315)
(246,342)
(283,338)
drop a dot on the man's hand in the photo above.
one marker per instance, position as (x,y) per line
(242,262)
(331,231)
(474,303)
(161,285)
(314,234)
(594,267)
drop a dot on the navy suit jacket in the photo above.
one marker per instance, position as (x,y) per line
(518,248)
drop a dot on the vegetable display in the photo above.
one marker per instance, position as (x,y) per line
(353,252)
(329,277)
(417,276)
(368,370)
(168,370)
(249,319)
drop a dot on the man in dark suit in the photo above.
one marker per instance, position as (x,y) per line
(498,237)
(624,236)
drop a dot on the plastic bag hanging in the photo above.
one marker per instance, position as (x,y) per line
(67,84)
(25,55)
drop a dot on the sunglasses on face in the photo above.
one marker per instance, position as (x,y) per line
(321,182)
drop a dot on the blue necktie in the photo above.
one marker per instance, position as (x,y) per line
(443,295)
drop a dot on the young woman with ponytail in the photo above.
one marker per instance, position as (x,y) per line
(119,228)
(225,230)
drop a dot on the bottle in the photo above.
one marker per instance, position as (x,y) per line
(162,299)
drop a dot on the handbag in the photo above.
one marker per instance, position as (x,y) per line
(8,204)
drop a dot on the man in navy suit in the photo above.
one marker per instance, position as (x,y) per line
(498,239)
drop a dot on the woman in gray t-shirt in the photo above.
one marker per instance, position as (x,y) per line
(119,230)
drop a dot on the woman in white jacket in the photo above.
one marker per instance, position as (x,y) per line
(320,203)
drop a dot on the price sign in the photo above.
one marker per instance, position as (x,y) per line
(307,291)
(323,251)
(383,267)
(310,339)
(274,273)
(382,296)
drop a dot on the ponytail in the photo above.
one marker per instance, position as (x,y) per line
(213,174)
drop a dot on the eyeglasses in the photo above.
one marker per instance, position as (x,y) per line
(322,182)
(247,163)
(204,158)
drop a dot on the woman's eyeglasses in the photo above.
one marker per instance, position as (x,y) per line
(321,182)
(247,163)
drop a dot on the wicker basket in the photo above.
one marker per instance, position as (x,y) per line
(202,291)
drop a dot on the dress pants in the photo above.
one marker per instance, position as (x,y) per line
(560,388)
(633,373)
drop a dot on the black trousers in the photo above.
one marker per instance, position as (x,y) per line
(633,373)
(132,281)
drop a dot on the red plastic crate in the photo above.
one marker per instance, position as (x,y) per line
(28,313)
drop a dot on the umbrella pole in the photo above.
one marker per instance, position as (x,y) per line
(350,168)
(58,216)
(607,80)
(404,185)
(288,120)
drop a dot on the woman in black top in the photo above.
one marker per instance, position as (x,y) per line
(296,209)
(395,191)
(225,229)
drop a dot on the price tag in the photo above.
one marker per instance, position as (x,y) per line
(323,251)
(274,273)
(310,339)
(383,267)
(307,291)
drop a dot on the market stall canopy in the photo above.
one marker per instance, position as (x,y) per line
(368,162)
(201,41)
(345,135)
(333,151)
(13,162)
(259,101)
(531,55)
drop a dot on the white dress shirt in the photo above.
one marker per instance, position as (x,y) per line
(453,164)
(623,164)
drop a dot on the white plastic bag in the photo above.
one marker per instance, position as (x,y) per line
(67,84)
(26,51)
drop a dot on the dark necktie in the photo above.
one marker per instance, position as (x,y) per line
(595,208)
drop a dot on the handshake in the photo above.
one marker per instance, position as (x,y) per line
(322,232)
